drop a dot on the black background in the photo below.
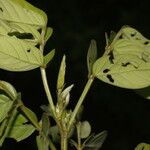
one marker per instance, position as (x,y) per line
(75,22)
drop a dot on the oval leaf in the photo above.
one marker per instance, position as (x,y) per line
(126,62)
(49,57)
(20,130)
(48,34)
(95,142)
(5,105)
(61,74)
(22,12)
(127,71)
(85,129)
(17,55)
(42,143)
(91,55)
(143,146)
(9,89)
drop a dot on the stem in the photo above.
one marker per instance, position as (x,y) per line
(47,91)
(64,141)
(80,101)
(78,136)
(51,145)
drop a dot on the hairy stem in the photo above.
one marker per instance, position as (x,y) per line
(80,101)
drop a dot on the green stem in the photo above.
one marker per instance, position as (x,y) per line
(64,141)
(47,91)
(80,101)
(78,136)
(51,145)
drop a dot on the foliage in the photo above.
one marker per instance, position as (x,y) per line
(23,35)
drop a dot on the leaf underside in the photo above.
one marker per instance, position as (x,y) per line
(126,62)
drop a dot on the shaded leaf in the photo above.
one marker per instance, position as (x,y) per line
(91,55)
(85,129)
(30,115)
(145,92)
(5,105)
(54,132)
(20,130)
(8,89)
(42,144)
(45,124)
(95,142)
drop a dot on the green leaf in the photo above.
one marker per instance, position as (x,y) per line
(17,55)
(48,34)
(95,142)
(54,132)
(45,124)
(127,71)
(24,32)
(85,129)
(22,12)
(20,129)
(30,115)
(126,62)
(143,146)
(61,74)
(7,124)
(91,55)
(42,143)
(8,89)
(5,105)
(49,57)
(145,92)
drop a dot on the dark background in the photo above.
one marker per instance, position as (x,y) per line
(124,114)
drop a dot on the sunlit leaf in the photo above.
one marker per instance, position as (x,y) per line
(126,62)
(127,71)
(48,34)
(61,74)
(49,57)
(17,55)
(143,146)
(22,12)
